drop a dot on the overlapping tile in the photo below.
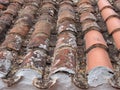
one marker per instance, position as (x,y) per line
(34,62)
(32,50)
(65,53)
(110,18)
(97,56)
(13,40)
(9,14)
(66,40)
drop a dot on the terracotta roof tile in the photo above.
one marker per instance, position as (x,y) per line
(59,44)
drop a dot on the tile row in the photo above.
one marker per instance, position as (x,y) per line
(9,14)
(13,41)
(32,71)
(112,20)
(96,48)
(36,57)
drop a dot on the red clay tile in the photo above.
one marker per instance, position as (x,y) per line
(28,11)
(112,22)
(39,41)
(85,8)
(26,19)
(117,39)
(47,18)
(33,66)
(48,6)
(34,62)
(30,1)
(65,14)
(83,1)
(35,3)
(18,1)
(67,25)
(13,42)
(64,61)
(111,27)
(65,6)
(87,16)
(41,34)
(103,3)
(98,57)
(106,13)
(35,59)
(21,29)
(42,27)
(7,16)
(48,1)
(69,2)
(94,37)
(66,39)
(15,38)
(12,9)
(89,25)
(48,9)
(96,54)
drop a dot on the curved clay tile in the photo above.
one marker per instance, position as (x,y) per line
(66,42)
(8,15)
(98,61)
(29,59)
(65,52)
(35,59)
(13,41)
(112,21)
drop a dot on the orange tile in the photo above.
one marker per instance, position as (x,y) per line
(98,57)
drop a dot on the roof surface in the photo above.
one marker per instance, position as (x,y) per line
(59,45)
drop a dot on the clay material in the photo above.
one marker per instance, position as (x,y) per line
(98,57)
(94,37)
(65,62)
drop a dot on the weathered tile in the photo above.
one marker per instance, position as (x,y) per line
(87,16)
(12,9)
(65,62)
(39,41)
(66,39)
(66,26)
(12,41)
